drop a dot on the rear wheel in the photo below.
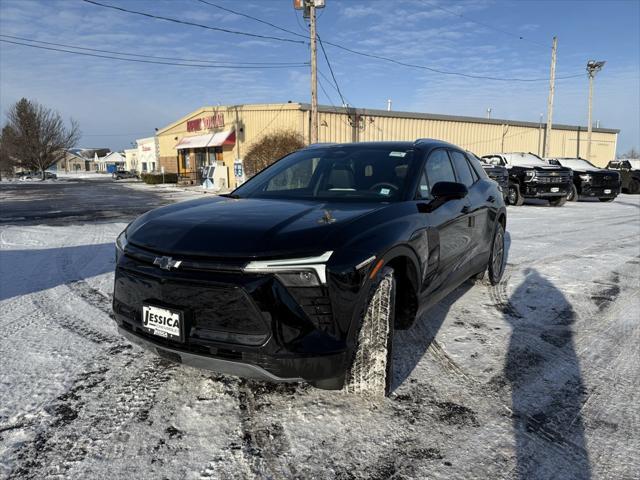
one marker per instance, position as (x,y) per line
(497,258)
(573,194)
(370,373)
(514,197)
(557,201)
(606,199)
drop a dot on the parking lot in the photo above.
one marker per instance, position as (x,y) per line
(534,378)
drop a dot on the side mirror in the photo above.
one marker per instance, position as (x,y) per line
(449,191)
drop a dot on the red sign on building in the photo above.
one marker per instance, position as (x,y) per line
(206,123)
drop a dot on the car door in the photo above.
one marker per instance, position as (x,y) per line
(449,221)
(477,214)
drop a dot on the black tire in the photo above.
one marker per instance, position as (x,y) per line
(573,194)
(634,186)
(514,197)
(495,268)
(557,201)
(606,199)
(370,373)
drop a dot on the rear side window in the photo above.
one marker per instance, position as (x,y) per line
(438,169)
(476,166)
(463,170)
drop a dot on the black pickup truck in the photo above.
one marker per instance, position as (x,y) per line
(629,171)
(531,177)
(589,180)
(497,173)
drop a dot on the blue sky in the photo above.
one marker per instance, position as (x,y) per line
(117,102)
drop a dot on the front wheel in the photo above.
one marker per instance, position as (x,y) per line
(634,186)
(370,373)
(497,258)
(573,194)
(514,197)
(606,199)
(558,201)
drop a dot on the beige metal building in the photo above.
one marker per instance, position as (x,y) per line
(221,135)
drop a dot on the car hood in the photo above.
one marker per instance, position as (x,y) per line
(244,228)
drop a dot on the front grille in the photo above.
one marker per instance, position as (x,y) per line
(553,177)
(604,180)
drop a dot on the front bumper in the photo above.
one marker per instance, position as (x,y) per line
(544,190)
(240,324)
(291,370)
(599,192)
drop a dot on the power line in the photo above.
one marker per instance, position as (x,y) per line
(111,57)
(282,29)
(221,62)
(330,69)
(192,24)
(392,60)
(497,29)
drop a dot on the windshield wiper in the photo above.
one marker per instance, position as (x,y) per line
(229,195)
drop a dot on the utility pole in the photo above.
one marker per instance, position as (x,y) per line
(593,67)
(552,82)
(309,7)
(314,73)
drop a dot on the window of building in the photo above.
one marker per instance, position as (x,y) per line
(144,166)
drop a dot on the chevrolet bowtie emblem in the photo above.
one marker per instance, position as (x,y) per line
(166,263)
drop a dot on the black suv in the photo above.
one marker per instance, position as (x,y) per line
(497,173)
(589,180)
(304,271)
(531,177)
(629,171)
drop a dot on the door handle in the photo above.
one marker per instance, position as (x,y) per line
(491,199)
(465,209)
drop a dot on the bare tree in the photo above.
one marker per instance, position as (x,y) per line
(7,162)
(270,148)
(633,153)
(36,136)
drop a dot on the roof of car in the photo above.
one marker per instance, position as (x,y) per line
(423,142)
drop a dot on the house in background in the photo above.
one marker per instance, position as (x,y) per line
(76,160)
(110,163)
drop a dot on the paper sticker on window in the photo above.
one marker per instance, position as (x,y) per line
(384,191)
(398,154)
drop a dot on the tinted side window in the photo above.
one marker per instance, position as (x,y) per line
(476,166)
(463,170)
(438,169)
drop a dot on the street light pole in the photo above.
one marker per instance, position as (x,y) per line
(593,67)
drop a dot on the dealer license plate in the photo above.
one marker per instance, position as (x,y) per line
(162,322)
(554,189)
(607,190)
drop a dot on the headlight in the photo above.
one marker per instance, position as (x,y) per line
(295,272)
(121,241)
(529,175)
(586,177)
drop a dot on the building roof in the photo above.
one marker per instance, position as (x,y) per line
(378,113)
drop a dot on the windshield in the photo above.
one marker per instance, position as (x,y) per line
(365,173)
(524,159)
(577,164)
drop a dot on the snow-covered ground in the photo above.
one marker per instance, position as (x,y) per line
(538,377)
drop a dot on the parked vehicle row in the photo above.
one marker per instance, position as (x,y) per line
(561,179)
